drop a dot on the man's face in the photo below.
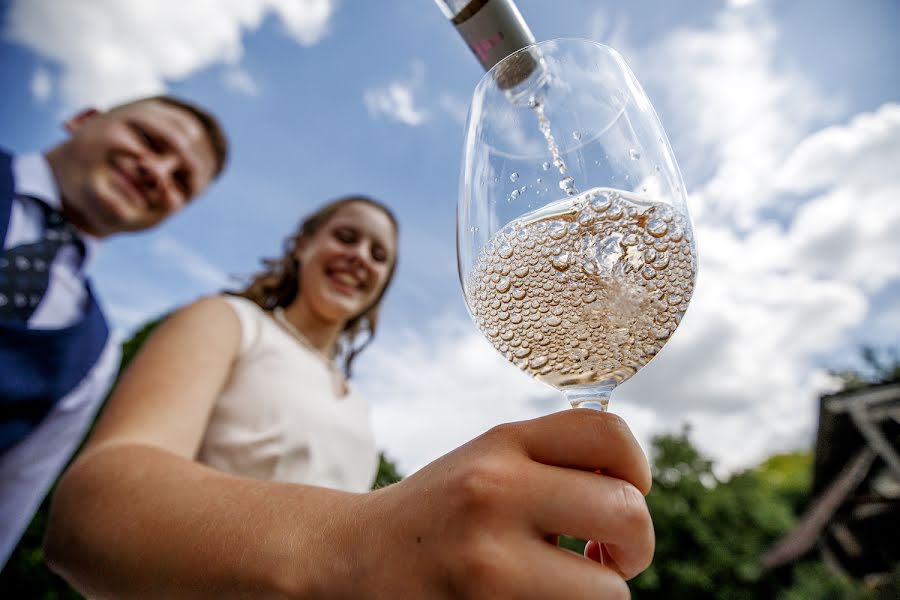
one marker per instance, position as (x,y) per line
(132,167)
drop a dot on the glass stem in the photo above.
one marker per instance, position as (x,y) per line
(595,396)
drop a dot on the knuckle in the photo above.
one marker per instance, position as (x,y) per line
(482,566)
(502,433)
(483,484)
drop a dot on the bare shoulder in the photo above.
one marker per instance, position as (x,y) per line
(165,396)
(211,317)
(214,307)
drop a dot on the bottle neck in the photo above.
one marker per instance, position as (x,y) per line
(494,29)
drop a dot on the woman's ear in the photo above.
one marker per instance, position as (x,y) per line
(300,245)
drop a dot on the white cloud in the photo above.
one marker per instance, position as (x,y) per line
(241,81)
(849,231)
(41,84)
(454,106)
(434,389)
(743,365)
(774,295)
(737,116)
(397,99)
(305,20)
(866,149)
(111,51)
(744,356)
(610,32)
(741,3)
(189,262)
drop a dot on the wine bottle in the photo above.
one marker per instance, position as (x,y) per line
(494,29)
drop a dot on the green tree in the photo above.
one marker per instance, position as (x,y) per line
(814,580)
(387,473)
(789,476)
(878,365)
(710,533)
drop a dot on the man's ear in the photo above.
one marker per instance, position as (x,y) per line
(75,122)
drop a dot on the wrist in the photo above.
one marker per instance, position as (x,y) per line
(325,554)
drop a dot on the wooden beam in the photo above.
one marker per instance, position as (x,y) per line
(866,397)
(846,539)
(876,439)
(800,539)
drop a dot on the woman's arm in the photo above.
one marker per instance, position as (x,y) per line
(135,513)
(136,517)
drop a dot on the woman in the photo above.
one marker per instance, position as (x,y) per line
(230,459)
(305,424)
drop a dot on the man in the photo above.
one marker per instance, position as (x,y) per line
(127,169)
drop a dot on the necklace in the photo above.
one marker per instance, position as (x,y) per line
(337,377)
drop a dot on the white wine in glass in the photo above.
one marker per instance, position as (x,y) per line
(575,247)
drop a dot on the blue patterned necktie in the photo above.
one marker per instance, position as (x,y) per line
(25,269)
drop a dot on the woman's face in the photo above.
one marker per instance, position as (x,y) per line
(345,264)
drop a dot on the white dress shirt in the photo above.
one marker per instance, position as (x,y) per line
(28,469)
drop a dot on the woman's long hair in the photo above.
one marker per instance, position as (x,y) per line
(278,283)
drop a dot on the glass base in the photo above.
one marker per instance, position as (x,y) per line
(592,404)
(594,396)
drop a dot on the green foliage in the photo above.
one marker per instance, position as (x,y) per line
(711,533)
(879,365)
(789,476)
(815,580)
(573,544)
(26,574)
(890,589)
(387,473)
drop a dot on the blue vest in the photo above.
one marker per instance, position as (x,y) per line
(38,367)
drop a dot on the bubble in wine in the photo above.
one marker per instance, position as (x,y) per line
(587,289)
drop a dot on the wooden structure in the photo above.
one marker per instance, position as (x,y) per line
(853,517)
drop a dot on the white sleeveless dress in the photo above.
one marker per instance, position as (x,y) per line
(279,417)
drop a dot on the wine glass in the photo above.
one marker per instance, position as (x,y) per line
(576,251)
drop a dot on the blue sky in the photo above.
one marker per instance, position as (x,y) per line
(784,116)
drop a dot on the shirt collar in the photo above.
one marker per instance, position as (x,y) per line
(33,177)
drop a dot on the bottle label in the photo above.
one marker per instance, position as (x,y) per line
(494,29)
